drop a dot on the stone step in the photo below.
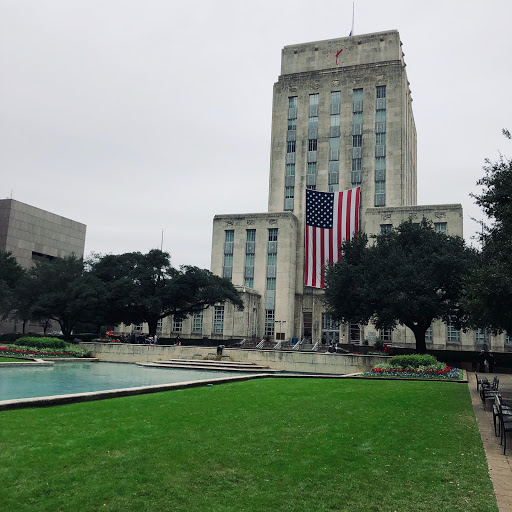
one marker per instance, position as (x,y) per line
(209,362)
(198,365)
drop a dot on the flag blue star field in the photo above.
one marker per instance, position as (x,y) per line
(331,218)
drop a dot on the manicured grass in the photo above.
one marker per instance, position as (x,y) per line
(13,359)
(261,445)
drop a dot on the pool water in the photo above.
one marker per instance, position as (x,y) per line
(69,378)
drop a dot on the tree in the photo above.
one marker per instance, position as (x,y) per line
(489,287)
(11,272)
(65,292)
(146,287)
(410,276)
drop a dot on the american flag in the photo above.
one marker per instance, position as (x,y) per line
(331,218)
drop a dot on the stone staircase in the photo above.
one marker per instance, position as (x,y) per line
(205,364)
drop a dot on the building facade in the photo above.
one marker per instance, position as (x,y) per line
(32,234)
(341,117)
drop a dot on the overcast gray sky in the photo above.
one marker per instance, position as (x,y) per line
(134,116)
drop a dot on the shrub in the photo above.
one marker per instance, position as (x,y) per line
(30,341)
(413,361)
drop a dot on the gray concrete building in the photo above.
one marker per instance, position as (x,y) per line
(32,234)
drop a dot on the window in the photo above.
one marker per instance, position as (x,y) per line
(355,333)
(357,141)
(290,169)
(385,335)
(271,260)
(380,187)
(482,336)
(159,325)
(249,260)
(177,324)
(311,167)
(386,228)
(272,235)
(218,320)
(335,120)
(289,192)
(313,99)
(358,95)
(357,164)
(228,260)
(380,116)
(269,322)
(358,118)
(440,227)
(381,91)
(428,334)
(197,322)
(292,124)
(137,327)
(380,139)
(230,236)
(292,102)
(452,334)
(271,283)
(312,144)
(249,282)
(508,339)
(290,146)
(335,98)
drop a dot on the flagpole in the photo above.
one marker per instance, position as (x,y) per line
(352,29)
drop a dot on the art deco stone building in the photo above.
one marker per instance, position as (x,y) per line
(342,117)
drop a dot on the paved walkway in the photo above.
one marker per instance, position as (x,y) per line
(500,466)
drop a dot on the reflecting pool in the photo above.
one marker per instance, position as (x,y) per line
(68,378)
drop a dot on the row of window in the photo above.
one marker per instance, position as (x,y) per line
(439,227)
(334,144)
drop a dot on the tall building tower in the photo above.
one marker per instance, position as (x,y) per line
(342,118)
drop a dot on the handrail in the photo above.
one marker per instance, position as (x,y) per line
(315,346)
(261,344)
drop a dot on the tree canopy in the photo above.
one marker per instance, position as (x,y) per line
(410,276)
(489,288)
(146,287)
(11,273)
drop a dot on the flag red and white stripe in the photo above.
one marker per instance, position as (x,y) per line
(331,218)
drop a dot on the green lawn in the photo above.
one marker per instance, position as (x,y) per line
(262,445)
(12,359)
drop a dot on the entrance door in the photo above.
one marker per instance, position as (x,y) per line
(330,329)
(307,318)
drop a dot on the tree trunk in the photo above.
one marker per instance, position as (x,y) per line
(23,328)
(419,335)
(152,325)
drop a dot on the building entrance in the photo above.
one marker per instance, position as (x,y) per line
(330,329)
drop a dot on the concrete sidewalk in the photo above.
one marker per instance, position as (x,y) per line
(500,468)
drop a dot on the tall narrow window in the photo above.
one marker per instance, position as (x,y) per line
(291,138)
(227,266)
(271,284)
(380,146)
(357,137)
(197,322)
(250,249)
(334,142)
(218,320)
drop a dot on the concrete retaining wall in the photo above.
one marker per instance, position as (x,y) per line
(306,362)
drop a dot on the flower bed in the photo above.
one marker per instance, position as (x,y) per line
(418,373)
(14,350)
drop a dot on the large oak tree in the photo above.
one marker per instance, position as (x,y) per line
(411,275)
(146,287)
